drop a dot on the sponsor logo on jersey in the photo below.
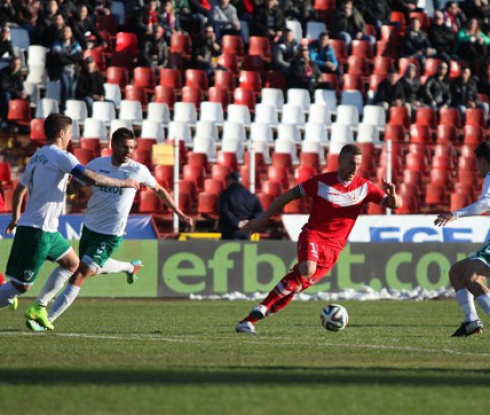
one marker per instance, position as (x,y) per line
(28,274)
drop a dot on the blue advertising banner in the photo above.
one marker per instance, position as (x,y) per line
(138,227)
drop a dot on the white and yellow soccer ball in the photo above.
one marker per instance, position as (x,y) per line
(334,317)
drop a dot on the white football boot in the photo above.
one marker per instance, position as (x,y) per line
(246,327)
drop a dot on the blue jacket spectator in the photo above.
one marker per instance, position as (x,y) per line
(323,54)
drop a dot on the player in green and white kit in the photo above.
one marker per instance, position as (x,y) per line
(37,238)
(106,218)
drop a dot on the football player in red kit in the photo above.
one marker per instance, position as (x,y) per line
(337,200)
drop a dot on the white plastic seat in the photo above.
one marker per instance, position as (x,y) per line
(367,133)
(272,96)
(159,112)
(206,145)
(320,113)
(353,98)
(428,6)
(94,128)
(53,90)
(239,113)
(263,147)
(314,147)
(207,129)
(112,92)
(289,132)
(299,96)
(46,106)
(313,30)
(32,90)
(341,132)
(76,110)
(327,97)
(296,28)
(185,112)
(152,129)
(119,10)
(347,114)
(316,132)
(293,114)
(36,55)
(231,145)
(132,111)
(179,130)
(104,111)
(286,147)
(116,124)
(20,37)
(37,75)
(374,115)
(212,111)
(261,132)
(234,130)
(266,114)
(75,131)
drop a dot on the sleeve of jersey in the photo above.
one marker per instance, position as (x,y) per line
(309,188)
(375,194)
(70,164)
(26,176)
(482,205)
(147,178)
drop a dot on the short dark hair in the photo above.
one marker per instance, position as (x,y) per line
(54,124)
(350,149)
(122,134)
(323,34)
(483,151)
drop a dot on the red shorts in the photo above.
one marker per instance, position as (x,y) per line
(312,247)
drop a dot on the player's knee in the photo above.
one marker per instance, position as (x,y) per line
(455,276)
(307,269)
(21,287)
(472,278)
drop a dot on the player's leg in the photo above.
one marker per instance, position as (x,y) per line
(14,303)
(131,269)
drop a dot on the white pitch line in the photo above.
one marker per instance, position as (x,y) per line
(194,339)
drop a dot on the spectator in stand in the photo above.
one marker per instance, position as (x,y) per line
(389,93)
(323,54)
(441,37)
(224,19)
(284,51)
(304,73)
(154,51)
(454,18)
(350,25)
(404,6)
(53,32)
(464,94)
(479,10)
(46,19)
(7,11)
(236,206)
(206,51)
(90,85)
(410,84)
(170,20)
(149,17)
(68,8)
(27,14)
(6,48)
(416,43)
(376,12)
(100,7)
(269,21)
(83,27)
(472,43)
(301,10)
(436,92)
(184,9)
(11,87)
(65,57)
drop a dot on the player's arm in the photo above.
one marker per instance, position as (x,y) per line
(17,199)
(90,177)
(165,196)
(482,205)
(277,205)
(393,201)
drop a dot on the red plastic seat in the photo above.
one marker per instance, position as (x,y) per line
(165,95)
(5,173)
(455,69)
(375,209)
(324,5)
(467,164)
(352,82)
(332,162)
(399,116)
(186,202)
(19,111)
(436,194)
(220,172)
(117,75)
(170,77)
(143,156)
(245,172)
(282,160)
(416,162)
(146,144)
(228,159)
(422,18)
(413,177)
(149,201)
(458,200)
(251,80)
(196,78)
(442,163)
(214,186)
(233,45)
(409,205)
(127,42)
(265,200)
(473,134)
(259,161)
(144,77)
(382,65)
(399,18)
(394,132)
(450,116)
(37,130)
(136,93)
(426,116)
(278,174)
(340,49)
(194,95)
(84,155)
(303,173)
(181,43)
(189,187)
(260,46)
(432,66)
(310,160)
(97,54)
(195,173)
(388,49)
(275,79)
(390,34)
(229,62)
(207,204)
(420,134)
(357,66)
(375,80)
(446,134)
(164,176)
(332,80)
(475,116)
(198,159)
(253,63)
(123,59)
(362,49)
(221,95)
(92,144)
(272,188)
(224,79)
(404,62)
(243,96)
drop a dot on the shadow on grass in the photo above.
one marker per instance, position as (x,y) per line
(239,376)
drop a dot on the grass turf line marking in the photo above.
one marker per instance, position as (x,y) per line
(194,340)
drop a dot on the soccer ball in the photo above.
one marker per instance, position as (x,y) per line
(334,317)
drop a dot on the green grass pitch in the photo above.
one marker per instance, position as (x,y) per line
(183,357)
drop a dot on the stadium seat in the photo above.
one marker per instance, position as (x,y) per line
(362,49)
(211,111)
(149,202)
(146,144)
(37,130)
(152,129)
(348,114)
(272,188)
(164,176)
(426,116)
(144,77)
(136,93)
(282,146)
(195,173)
(352,83)
(315,131)
(473,134)
(234,130)
(224,79)
(245,97)
(208,129)
(262,151)
(116,124)
(327,97)
(410,205)
(185,112)
(179,130)
(104,111)
(382,65)
(293,114)
(198,159)
(230,62)
(117,75)
(250,80)
(340,49)
(165,95)
(171,78)
(315,147)
(158,112)
(37,75)
(394,132)
(143,156)
(219,95)
(127,42)
(399,116)
(458,200)
(113,93)
(416,162)
(181,44)
(272,96)
(299,96)
(239,113)
(196,78)
(123,59)
(46,106)
(353,98)
(357,65)
(374,115)
(233,146)
(388,49)
(367,133)
(446,134)
(475,116)
(296,28)
(253,63)
(275,79)
(131,111)
(432,66)
(233,45)
(266,114)
(260,131)
(314,29)
(205,144)
(98,56)
(83,155)
(450,116)
(213,186)
(260,46)
(192,95)
(341,133)
(188,188)
(94,128)
(207,205)
(442,163)
(320,113)
(221,171)
(436,195)
(404,62)
(76,110)
(278,174)
(288,132)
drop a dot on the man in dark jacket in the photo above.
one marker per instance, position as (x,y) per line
(417,44)
(206,51)
(90,85)
(389,92)
(464,93)
(437,92)
(304,73)
(284,52)
(236,207)
(6,47)
(82,25)
(441,37)
(376,12)
(154,52)
(11,86)
(269,20)
(349,25)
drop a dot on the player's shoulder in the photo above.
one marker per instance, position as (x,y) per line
(328,177)
(135,165)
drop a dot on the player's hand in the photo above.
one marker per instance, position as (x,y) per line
(389,188)
(10,227)
(444,218)
(131,183)
(186,219)
(252,226)
(242,223)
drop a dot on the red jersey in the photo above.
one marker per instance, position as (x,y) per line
(336,206)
